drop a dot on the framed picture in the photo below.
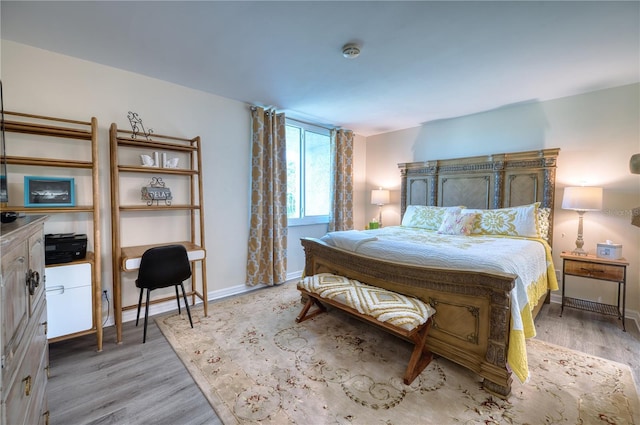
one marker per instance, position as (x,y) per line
(49,192)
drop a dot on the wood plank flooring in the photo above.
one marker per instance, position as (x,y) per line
(593,334)
(136,384)
(127,384)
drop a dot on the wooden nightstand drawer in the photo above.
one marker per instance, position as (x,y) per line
(596,271)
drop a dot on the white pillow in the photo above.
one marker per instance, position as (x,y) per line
(426,217)
(514,221)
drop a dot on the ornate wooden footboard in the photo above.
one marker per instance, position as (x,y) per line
(471,327)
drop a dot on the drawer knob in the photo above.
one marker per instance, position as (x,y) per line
(27,385)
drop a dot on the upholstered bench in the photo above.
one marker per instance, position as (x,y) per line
(405,316)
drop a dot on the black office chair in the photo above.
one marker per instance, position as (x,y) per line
(161,267)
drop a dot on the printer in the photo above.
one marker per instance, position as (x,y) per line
(64,247)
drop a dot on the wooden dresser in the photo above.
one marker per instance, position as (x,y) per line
(23,309)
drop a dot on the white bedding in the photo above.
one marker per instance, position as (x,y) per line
(523,257)
(529,259)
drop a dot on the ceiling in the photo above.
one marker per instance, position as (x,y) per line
(420,60)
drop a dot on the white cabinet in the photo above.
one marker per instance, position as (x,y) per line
(68,299)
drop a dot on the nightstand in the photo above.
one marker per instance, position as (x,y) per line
(592,267)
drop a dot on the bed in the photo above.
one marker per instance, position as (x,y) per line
(477,323)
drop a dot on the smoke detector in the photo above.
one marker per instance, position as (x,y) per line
(351,51)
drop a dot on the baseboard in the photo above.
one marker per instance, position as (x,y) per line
(295,275)
(630,315)
(168,306)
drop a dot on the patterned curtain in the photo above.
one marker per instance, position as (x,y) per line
(341,215)
(267,256)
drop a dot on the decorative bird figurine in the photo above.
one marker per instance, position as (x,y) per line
(171,163)
(147,160)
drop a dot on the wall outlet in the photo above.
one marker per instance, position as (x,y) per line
(105,294)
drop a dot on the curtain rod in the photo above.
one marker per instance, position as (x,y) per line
(312,123)
(266,108)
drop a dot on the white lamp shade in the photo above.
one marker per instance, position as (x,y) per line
(379,196)
(582,198)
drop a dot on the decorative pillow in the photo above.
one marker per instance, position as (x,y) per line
(514,221)
(426,217)
(456,223)
(543,222)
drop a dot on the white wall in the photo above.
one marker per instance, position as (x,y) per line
(597,133)
(41,82)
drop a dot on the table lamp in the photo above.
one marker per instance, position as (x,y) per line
(380,197)
(581,199)
(634,167)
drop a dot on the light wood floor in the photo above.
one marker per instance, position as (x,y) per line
(127,384)
(593,334)
(135,384)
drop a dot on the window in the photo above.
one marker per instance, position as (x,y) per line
(308,173)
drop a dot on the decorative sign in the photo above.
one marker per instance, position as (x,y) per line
(137,127)
(156,192)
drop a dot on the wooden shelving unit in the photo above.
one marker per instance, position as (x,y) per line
(126,257)
(83,132)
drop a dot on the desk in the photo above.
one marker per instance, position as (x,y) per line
(132,255)
(602,269)
(130,258)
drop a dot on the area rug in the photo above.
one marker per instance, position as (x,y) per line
(256,365)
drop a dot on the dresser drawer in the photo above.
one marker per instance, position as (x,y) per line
(596,271)
(37,409)
(30,378)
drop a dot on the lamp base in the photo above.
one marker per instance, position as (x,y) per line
(579,242)
(579,251)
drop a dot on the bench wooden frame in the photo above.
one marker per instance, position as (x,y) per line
(420,357)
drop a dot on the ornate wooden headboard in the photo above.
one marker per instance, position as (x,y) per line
(487,182)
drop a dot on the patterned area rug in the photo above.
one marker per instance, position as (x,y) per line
(257,366)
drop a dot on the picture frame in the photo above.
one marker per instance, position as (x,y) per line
(4,190)
(42,192)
